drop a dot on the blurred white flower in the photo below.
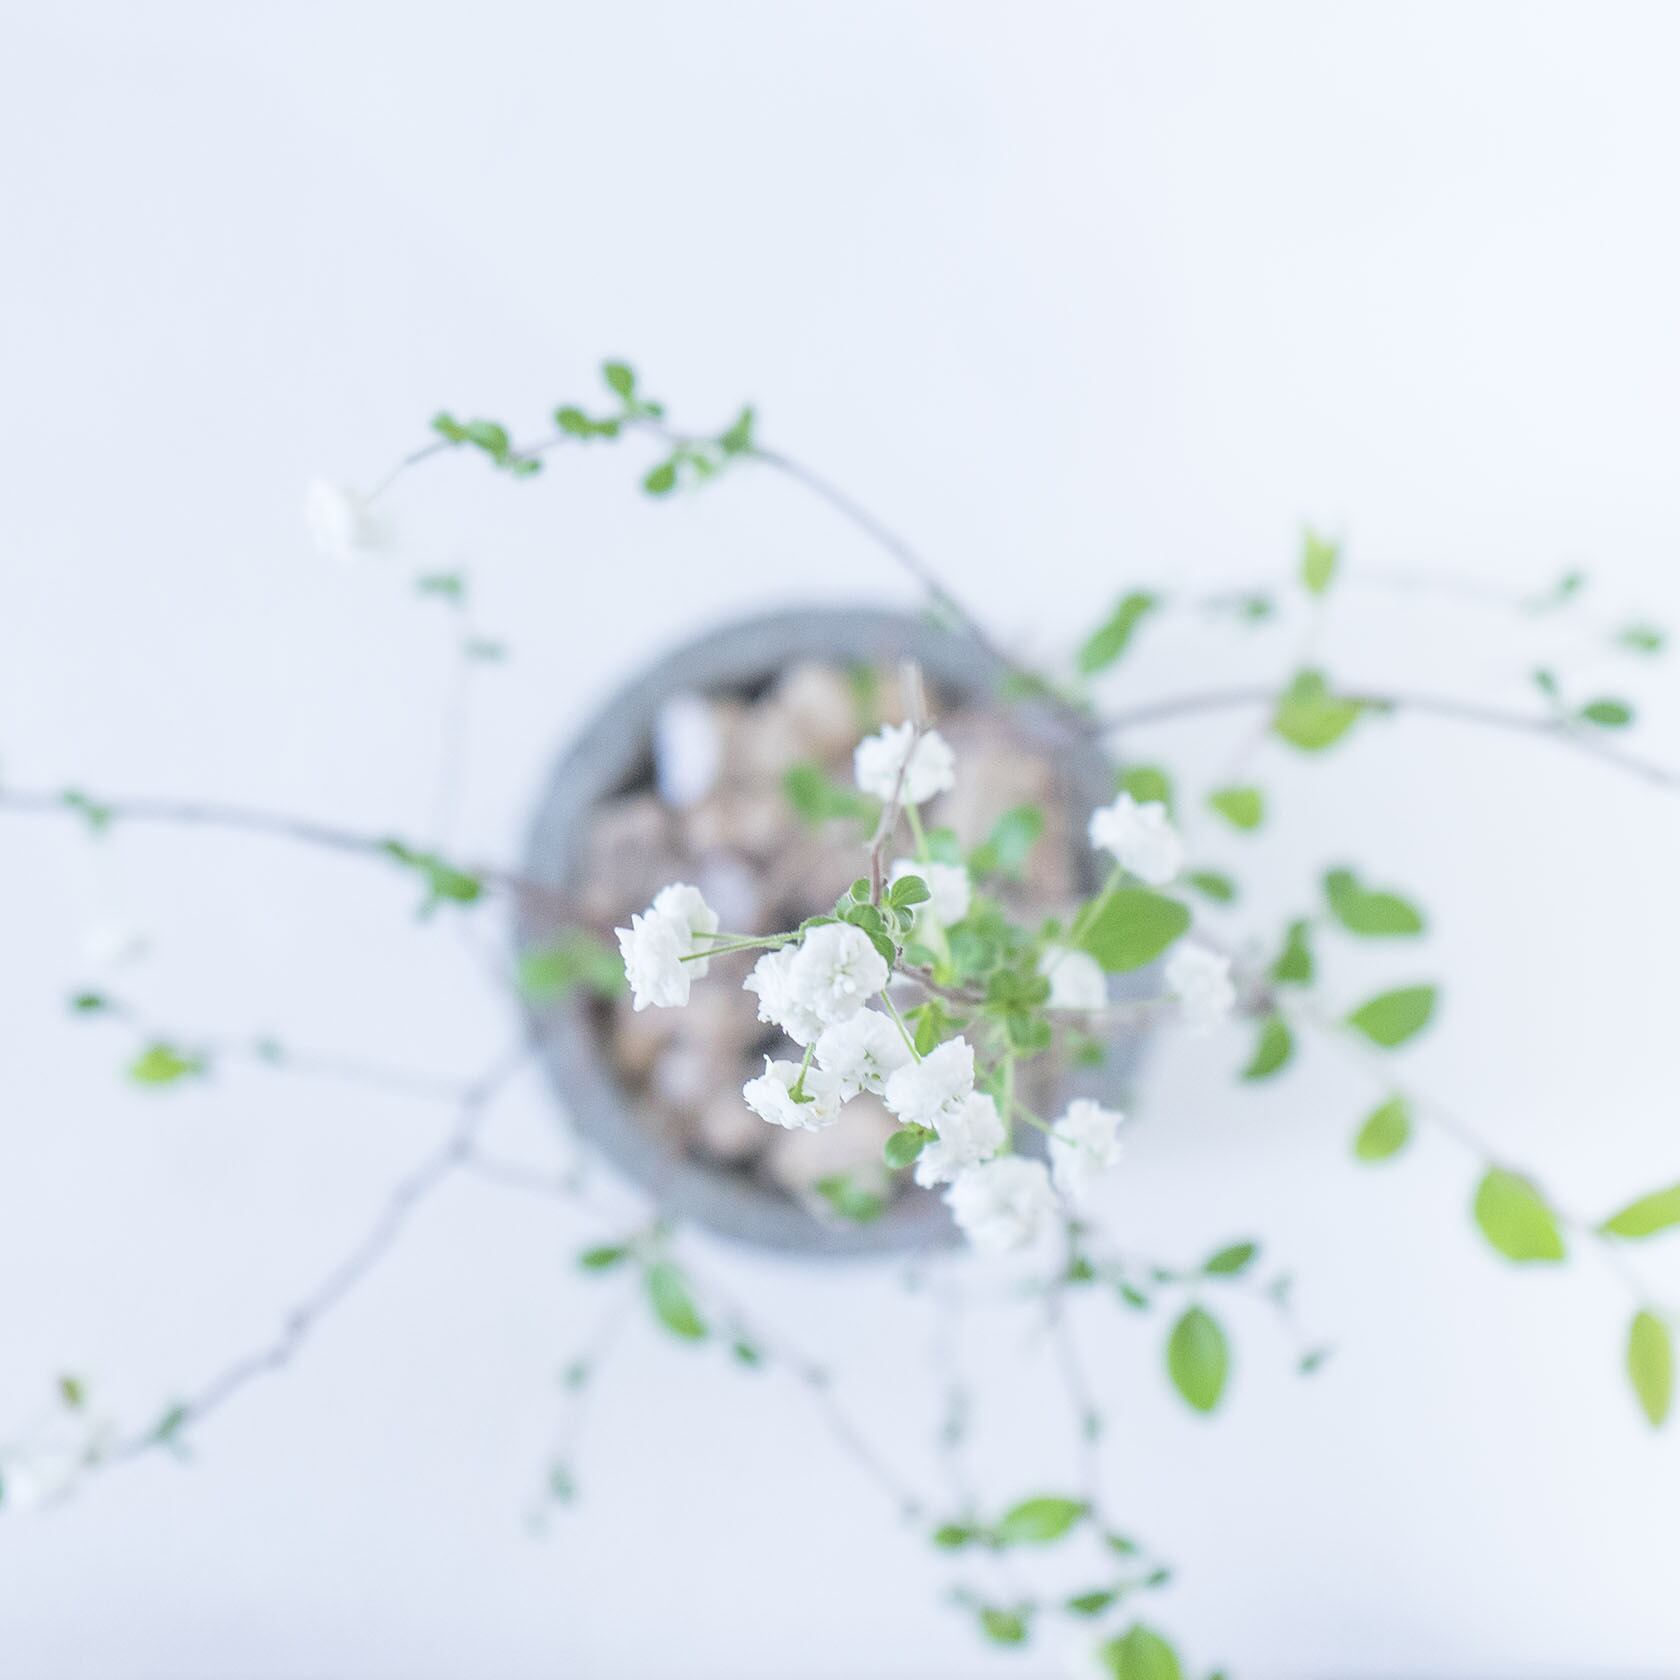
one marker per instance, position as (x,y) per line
(687,750)
(947,883)
(970,1131)
(1003,1204)
(834,970)
(772,980)
(1083,1145)
(1076,978)
(1141,837)
(860,1054)
(655,944)
(770,1096)
(1201,981)
(922,1091)
(340,523)
(931,768)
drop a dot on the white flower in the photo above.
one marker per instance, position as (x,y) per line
(771,979)
(341,525)
(970,1131)
(655,944)
(1002,1204)
(835,968)
(1141,837)
(931,768)
(861,1053)
(947,884)
(1201,981)
(770,1096)
(1076,978)
(921,1092)
(1083,1145)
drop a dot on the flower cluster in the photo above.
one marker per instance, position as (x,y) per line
(944,1066)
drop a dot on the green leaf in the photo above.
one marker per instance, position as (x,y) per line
(1241,807)
(952,1537)
(1607,714)
(164,1064)
(603,1257)
(850,1201)
(1148,784)
(1659,1211)
(1198,1359)
(737,439)
(1004,1627)
(1091,1603)
(1642,638)
(1515,1218)
(1319,559)
(662,479)
(908,891)
(1211,884)
(1373,915)
(1140,1654)
(444,882)
(1650,1366)
(1393,1017)
(620,379)
(1274,1048)
(450,585)
(1133,928)
(1386,1131)
(905,1145)
(818,798)
(1310,717)
(1106,644)
(90,1003)
(1037,1522)
(1229,1262)
(575,961)
(1294,966)
(1005,850)
(96,815)
(672,1304)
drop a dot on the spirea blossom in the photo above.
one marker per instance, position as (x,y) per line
(772,980)
(340,523)
(1201,981)
(948,886)
(1076,978)
(1141,837)
(656,942)
(1003,1204)
(834,970)
(1083,1145)
(862,1053)
(770,1096)
(922,1091)
(931,766)
(970,1131)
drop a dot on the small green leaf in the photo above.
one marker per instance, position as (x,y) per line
(1106,644)
(1091,1603)
(1607,714)
(818,798)
(603,1257)
(905,1145)
(738,438)
(1386,1131)
(1659,1211)
(1515,1218)
(90,1003)
(1650,1366)
(620,379)
(1229,1262)
(1211,884)
(1272,1051)
(1642,638)
(1140,1654)
(1004,1627)
(1037,1522)
(907,892)
(164,1064)
(1148,784)
(450,585)
(1005,850)
(662,479)
(1295,966)
(1310,717)
(1319,559)
(1133,928)
(1241,807)
(575,961)
(1198,1359)
(1373,915)
(952,1537)
(672,1304)
(850,1201)
(72,1392)
(96,815)
(1393,1017)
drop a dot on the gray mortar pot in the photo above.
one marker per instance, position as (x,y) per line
(613,756)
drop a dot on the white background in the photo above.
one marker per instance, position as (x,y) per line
(1081,298)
